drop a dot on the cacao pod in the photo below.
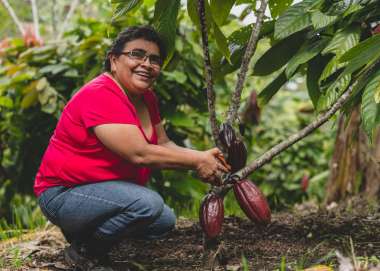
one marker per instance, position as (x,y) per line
(211,215)
(252,201)
(304,183)
(237,155)
(226,135)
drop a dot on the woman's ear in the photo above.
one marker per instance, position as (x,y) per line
(113,60)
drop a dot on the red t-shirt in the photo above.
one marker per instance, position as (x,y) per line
(75,155)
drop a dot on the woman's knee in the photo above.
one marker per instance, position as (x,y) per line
(151,205)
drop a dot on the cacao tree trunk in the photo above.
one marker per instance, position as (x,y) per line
(355,164)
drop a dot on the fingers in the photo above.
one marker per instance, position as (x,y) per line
(223,162)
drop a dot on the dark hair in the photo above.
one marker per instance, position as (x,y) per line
(133,33)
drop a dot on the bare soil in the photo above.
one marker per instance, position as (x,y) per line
(303,237)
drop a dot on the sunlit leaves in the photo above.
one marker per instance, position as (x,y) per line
(277,7)
(271,89)
(124,6)
(222,9)
(365,53)
(293,19)
(370,109)
(309,50)
(343,40)
(321,20)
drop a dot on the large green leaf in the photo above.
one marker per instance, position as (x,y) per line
(165,22)
(307,52)
(293,19)
(278,55)
(370,110)
(123,7)
(321,20)
(343,40)
(314,70)
(270,90)
(220,10)
(333,92)
(365,53)
(333,66)
(277,7)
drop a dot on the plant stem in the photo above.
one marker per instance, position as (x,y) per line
(73,6)
(208,74)
(249,52)
(14,16)
(35,19)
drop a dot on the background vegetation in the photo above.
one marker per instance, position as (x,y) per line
(37,81)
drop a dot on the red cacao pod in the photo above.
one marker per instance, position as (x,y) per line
(252,201)
(211,215)
(304,183)
(226,135)
(237,155)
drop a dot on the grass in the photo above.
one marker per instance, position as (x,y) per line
(26,216)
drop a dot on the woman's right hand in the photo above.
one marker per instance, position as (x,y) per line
(211,165)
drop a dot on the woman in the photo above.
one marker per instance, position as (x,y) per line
(92,176)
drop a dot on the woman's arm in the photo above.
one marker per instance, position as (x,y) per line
(128,141)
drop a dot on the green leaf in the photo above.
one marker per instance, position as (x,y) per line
(277,7)
(369,108)
(321,20)
(29,100)
(365,53)
(124,6)
(293,19)
(242,35)
(221,9)
(278,55)
(314,70)
(165,22)
(6,102)
(221,41)
(54,69)
(307,52)
(333,92)
(343,40)
(270,90)
(181,119)
(331,67)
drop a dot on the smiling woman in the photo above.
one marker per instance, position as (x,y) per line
(92,176)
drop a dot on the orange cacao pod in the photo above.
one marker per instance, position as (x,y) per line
(211,215)
(252,201)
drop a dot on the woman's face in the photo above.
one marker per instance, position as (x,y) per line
(131,71)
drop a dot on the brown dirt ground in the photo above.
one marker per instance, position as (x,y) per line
(305,236)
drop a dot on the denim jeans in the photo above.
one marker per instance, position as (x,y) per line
(101,214)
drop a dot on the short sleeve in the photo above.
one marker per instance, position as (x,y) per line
(103,106)
(153,107)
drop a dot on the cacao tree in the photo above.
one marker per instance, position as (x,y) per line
(331,42)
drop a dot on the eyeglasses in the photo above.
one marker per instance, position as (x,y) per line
(141,55)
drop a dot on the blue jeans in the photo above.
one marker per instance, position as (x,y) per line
(101,214)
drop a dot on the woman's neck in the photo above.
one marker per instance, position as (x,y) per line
(132,97)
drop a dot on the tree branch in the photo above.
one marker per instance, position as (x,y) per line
(73,6)
(274,151)
(35,19)
(14,16)
(208,74)
(249,51)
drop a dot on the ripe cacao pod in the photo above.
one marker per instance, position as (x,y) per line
(237,155)
(226,135)
(252,201)
(211,215)
(304,183)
